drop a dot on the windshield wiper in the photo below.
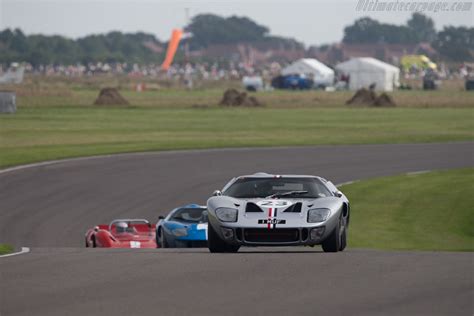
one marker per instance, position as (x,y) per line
(276,195)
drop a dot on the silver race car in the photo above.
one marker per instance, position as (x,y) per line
(278,210)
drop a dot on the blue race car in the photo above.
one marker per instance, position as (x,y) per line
(183,227)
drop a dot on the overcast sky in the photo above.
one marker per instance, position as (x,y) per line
(310,21)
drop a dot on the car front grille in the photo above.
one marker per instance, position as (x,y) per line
(277,235)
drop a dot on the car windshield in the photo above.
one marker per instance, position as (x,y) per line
(190,215)
(275,187)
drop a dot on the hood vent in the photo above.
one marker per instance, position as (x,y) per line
(295,208)
(252,208)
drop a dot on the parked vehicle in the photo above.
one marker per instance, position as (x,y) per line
(294,82)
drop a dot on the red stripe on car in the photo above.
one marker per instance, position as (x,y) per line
(269,217)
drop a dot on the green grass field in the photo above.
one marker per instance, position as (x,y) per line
(5,249)
(431,211)
(44,133)
(56,118)
(69,95)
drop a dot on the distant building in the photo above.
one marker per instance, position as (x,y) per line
(250,53)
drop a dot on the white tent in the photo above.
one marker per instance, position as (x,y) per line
(363,72)
(12,76)
(312,68)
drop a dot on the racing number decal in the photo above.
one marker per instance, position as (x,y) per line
(201,227)
(274,203)
(273,206)
(135,244)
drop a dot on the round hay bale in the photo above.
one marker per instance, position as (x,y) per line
(110,96)
(384,100)
(252,101)
(233,97)
(362,97)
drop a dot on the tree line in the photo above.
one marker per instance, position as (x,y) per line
(453,43)
(210,29)
(111,47)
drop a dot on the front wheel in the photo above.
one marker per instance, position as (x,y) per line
(216,244)
(337,240)
(343,233)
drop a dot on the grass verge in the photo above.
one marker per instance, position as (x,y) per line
(5,249)
(45,133)
(431,211)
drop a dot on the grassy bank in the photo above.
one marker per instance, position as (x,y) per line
(5,249)
(44,133)
(431,211)
(67,95)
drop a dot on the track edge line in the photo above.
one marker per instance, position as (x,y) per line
(24,250)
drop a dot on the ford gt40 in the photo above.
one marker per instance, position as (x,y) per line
(183,227)
(278,210)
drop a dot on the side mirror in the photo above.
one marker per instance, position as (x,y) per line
(338,194)
(217,193)
(96,228)
(161,217)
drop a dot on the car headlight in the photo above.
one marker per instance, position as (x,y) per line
(318,215)
(227,214)
(180,232)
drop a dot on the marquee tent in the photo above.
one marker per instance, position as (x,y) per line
(364,72)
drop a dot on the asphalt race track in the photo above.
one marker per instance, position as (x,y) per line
(49,207)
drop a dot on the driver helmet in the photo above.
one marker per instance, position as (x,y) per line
(121,227)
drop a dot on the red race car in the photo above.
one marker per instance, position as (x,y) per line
(123,233)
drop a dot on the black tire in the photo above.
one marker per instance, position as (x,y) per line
(94,245)
(232,248)
(216,244)
(161,241)
(343,239)
(164,242)
(159,238)
(87,244)
(333,242)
